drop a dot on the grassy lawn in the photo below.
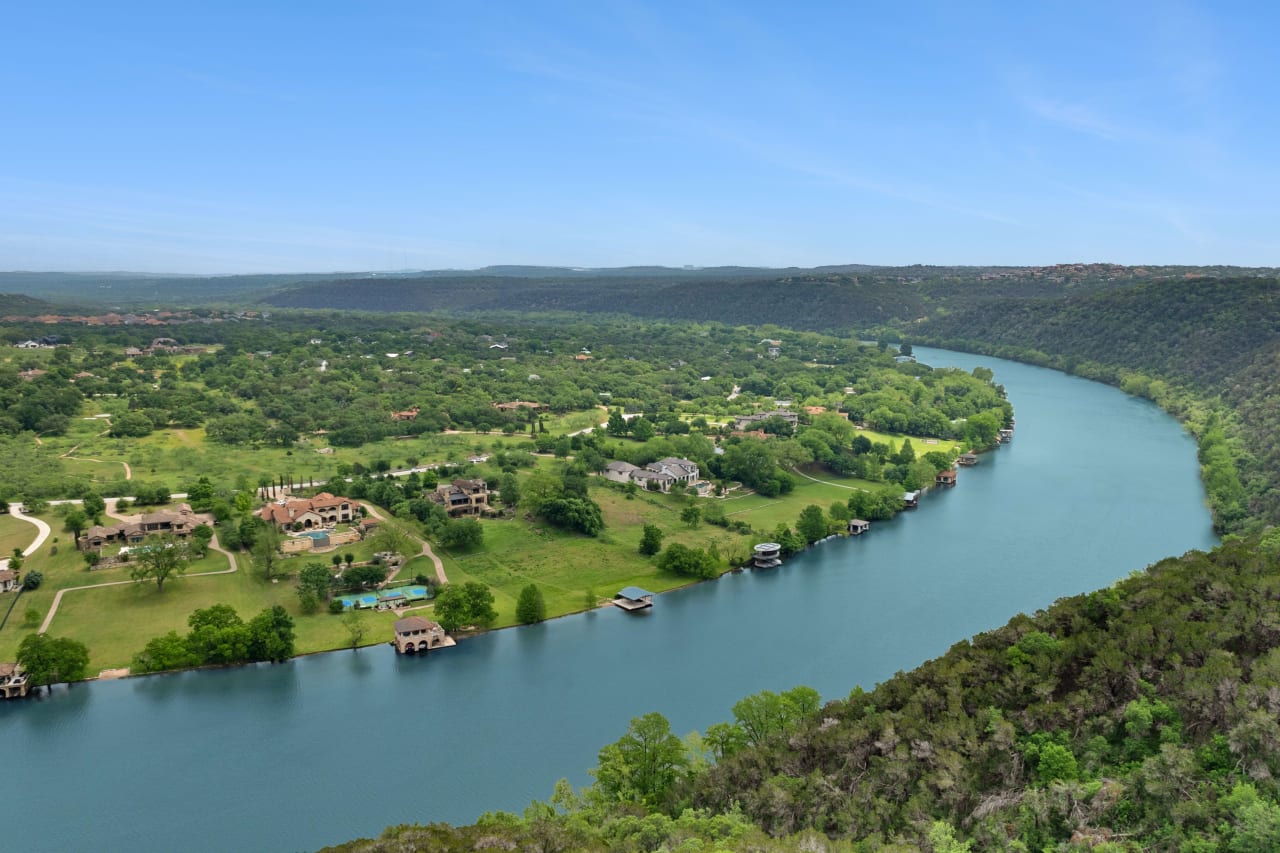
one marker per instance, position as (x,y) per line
(14,534)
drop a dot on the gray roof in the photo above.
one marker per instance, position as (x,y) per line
(634,593)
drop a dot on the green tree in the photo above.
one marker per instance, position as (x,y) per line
(642,429)
(160,558)
(94,506)
(315,578)
(271,635)
(651,540)
(266,552)
(75,522)
(617,425)
(644,764)
(468,604)
(218,635)
(812,524)
(166,652)
(691,515)
(462,533)
(509,489)
(691,562)
(531,607)
(355,627)
(52,660)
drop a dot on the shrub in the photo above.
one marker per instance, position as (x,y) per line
(335,606)
(32,580)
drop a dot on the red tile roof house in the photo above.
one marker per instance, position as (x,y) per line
(322,510)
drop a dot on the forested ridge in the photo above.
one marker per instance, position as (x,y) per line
(1207,350)
(1140,717)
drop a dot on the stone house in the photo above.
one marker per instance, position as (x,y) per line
(462,497)
(179,522)
(748,422)
(415,634)
(321,511)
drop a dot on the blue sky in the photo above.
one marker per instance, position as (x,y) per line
(246,136)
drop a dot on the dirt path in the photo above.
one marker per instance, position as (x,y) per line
(733,395)
(829,483)
(57,598)
(128,472)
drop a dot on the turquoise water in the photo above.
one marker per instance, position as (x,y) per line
(1095,485)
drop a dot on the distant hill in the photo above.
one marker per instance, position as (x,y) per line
(21,305)
(1218,337)
(830,298)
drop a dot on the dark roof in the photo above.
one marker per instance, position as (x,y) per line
(634,593)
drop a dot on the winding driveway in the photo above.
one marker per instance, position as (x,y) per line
(42,532)
(426,549)
(57,598)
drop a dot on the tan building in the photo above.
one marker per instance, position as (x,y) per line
(9,580)
(13,681)
(179,522)
(657,476)
(321,511)
(415,634)
(462,497)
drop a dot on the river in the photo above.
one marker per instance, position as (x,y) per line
(1095,485)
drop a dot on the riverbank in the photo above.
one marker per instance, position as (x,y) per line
(524,708)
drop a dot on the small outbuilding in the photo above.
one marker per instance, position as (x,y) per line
(967,459)
(633,598)
(945,478)
(13,681)
(857,526)
(415,634)
(767,555)
(910,500)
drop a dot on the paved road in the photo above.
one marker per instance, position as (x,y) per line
(57,599)
(42,532)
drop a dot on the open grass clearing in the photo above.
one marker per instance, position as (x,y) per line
(15,533)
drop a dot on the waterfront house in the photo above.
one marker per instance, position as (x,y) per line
(967,459)
(857,526)
(13,681)
(1005,436)
(767,555)
(415,634)
(910,500)
(633,598)
(945,478)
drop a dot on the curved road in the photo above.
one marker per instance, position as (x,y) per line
(57,598)
(42,532)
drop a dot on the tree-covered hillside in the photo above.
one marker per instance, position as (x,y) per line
(1206,349)
(1141,717)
